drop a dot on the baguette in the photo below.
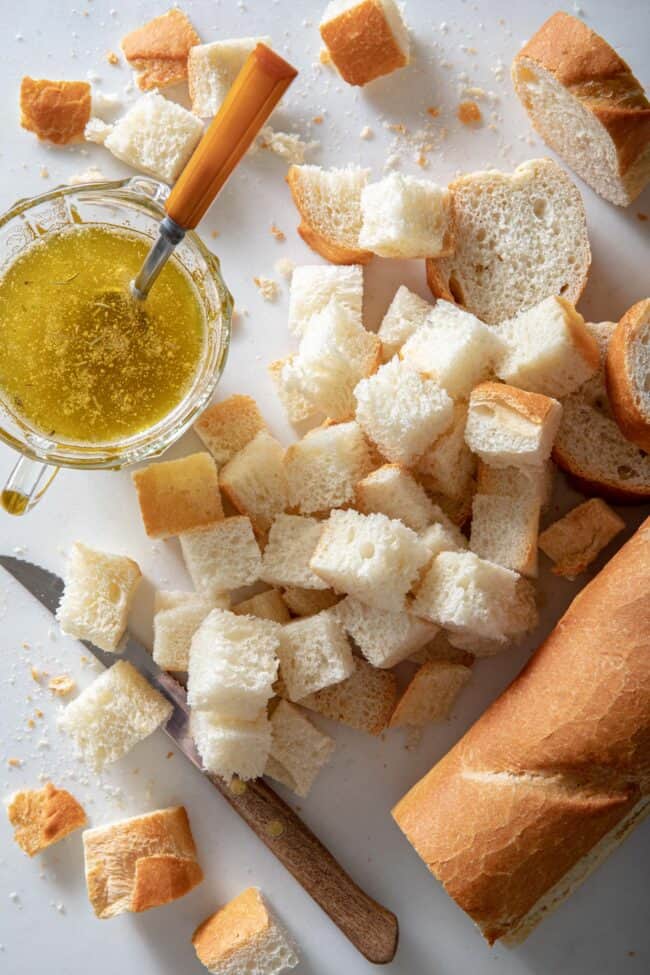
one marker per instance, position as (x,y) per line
(556,771)
(627,374)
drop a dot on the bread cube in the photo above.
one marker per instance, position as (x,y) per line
(212,68)
(406,217)
(505,530)
(255,480)
(431,694)
(141,862)
(441,648)
(177,617)
(454,348)
(267,605)
(243,937)
(226,427)
(313,286)
(298,749)
(365,38)
(574,541)
(55,111)
(406,312)
(329,204)
(178,495)
(99,590)
(392,491)
(230,746)
(324,468)
(42,817)
(158,50)
(364,701)
(530,483)
(111,715)
(222,556)
(420,411)
(384,638)
(292,542)
(156,136)
(372,557)
(314,652)
(288,386)
(335,352)
(466,594)
(307,602)
(443,536)
(508,427)
(233,663)
(448,464)
(548,349)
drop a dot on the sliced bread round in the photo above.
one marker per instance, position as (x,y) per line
(628,374)
(520,237)
(329,204)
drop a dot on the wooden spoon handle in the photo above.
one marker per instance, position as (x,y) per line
(371,928)
(256,91)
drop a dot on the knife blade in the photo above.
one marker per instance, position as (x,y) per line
(369,926)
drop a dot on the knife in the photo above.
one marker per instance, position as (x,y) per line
(371,928)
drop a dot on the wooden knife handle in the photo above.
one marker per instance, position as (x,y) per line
(371,928)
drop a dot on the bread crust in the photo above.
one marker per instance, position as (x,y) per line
(41,817)
(533,406)
(591,70)
(176,496)
(361,44)
(623,397)
(556,763)
(56,111)
(158,50)
(328,248)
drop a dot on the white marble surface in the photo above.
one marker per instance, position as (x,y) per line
(45,921)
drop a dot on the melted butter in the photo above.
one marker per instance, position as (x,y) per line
(82,361)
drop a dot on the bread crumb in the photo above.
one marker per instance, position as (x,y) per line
(14,762)
(31,723)
(325,57)
(317,120)
(38,713)
(214,234)
(61,685)
(91,175)
(433,111)
(112,58)
(36,674)
(45,173)
(83,660)
(267,287)
(284,267)
(396,127)
(366,132)
(277,233)
(170,755)
(469,113)
(642,217)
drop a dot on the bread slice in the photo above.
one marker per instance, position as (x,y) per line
(298,749)
(42,817)
(447,466)
(222,556)
(587,105)
(430,694)
(56,111)
(548,349)
(329,204)
(226,427)
(307,602)
(233,664)
(454,348)
(406,217)
(505,530)
(267,605)
(156,136)
(520,237)
(292,542)
(406,312)
(509,427)
(314,652)
(335,352)
(99,589)
(113,714)
(158,51)
(575,540)
(365,38)
(324,468)
(212,68)
(177,617)
(628,374)
(372,557)
(393,491)
(468,595)
(365,701)
(243,936)
(255,480)
(590,446)
(176,496)
(384,638)
(231,747)
(313,286)
(420,411)
(139,863)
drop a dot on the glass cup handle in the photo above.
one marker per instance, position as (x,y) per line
(26,485)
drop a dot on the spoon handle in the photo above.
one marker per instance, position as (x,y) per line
(256,91)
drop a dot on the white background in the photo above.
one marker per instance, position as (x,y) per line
(46,923)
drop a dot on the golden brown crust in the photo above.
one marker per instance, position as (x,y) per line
(162,878)
(176,496)
(575,540)
(41,817)
(56,111)
(159,49)
(554,764)
(361,44)
(621,386)
(227,426)
(233,926)
(534,406)
(328,248)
